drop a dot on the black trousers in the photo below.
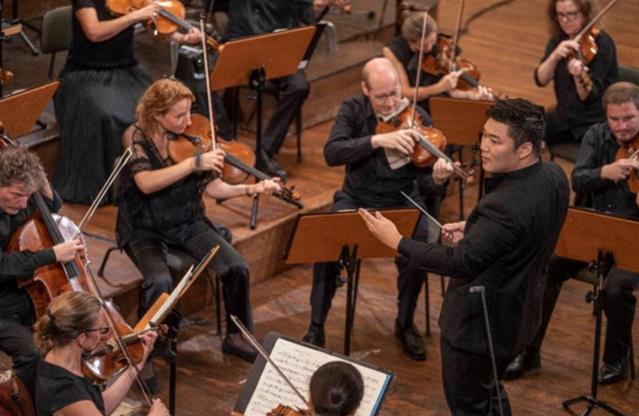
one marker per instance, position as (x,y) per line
(16,338)
(293,90)
(618,305)
(326,276)
(150,257)
(469,383)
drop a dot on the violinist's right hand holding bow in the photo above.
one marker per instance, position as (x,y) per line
(400,140)
(565,49)
(209,161)
(158,409)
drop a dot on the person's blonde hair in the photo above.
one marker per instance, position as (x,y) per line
(412,26)
(67,316)
(158,99)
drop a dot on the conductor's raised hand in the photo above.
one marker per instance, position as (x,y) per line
(453,232)
(382,228)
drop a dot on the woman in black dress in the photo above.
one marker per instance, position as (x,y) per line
(99,88)
(73,325)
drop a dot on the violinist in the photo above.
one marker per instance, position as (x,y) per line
(403,52)
(99,88)
(73,325)
(161,206)
(256,17)
(601,181)
(578,102)
(21,175)
(376,172)
(503,246)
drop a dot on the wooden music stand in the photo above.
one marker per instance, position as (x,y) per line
(19,112)
(462,122)
(256,59)
(342,237)
(590,236)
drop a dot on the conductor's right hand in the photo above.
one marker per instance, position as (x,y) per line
(213,160)
(158,409)
(401,140)
(66,251)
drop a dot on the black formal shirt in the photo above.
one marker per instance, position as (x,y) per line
(369,179)
(19,265)
(114,52)
(254,17)
(578,114)
(507,243)
(57,388)
(598,148)
(166,214)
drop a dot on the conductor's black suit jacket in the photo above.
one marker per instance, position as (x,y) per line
(508,240)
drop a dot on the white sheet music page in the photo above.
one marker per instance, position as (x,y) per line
(299,363)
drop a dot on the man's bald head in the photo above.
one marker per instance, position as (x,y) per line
(379,70)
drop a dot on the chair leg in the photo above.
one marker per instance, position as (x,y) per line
(427,305)
(443,285)
(298,126)
(105,259)
(632,358)
(218,309)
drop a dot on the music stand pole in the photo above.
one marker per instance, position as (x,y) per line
(348,261)
(602,264)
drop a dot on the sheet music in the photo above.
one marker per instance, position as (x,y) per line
(299,363)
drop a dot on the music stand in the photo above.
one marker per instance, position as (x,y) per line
(19,112)
(446,113)
(590,236)
(253,61)
(342,237)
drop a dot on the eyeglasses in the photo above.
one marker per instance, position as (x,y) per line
(103,330)
(568,16)
(381,98)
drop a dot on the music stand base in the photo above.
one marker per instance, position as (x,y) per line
(592,404)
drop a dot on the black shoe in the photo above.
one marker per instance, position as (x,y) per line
(526,362)
(240,348)
(614,371)
(267,164)
(412,342)
(315,336)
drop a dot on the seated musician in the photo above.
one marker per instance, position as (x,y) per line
(250,18)
(600,182)
(403,52)
(21,175)
(161,207)
(336,389)
(578,103)
(371,182)
(74,325)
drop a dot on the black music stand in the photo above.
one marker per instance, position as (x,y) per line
(590,236)
(344,238)
(254,60)
(446,113)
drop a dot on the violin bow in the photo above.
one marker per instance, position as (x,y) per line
(594,20)
(419,71)
(209,100)
(268,359)
(453,57)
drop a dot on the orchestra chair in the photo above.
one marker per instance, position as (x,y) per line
(179,262)
(56,34)
(629,73)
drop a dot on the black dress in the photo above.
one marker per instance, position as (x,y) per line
(99,89)
(57,388)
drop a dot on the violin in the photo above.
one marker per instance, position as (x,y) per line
(587,40)
(15,399)
(630,151)
(6,77)
(170,17)
(443,61)
(282,410)
(431,142)
(239,157)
